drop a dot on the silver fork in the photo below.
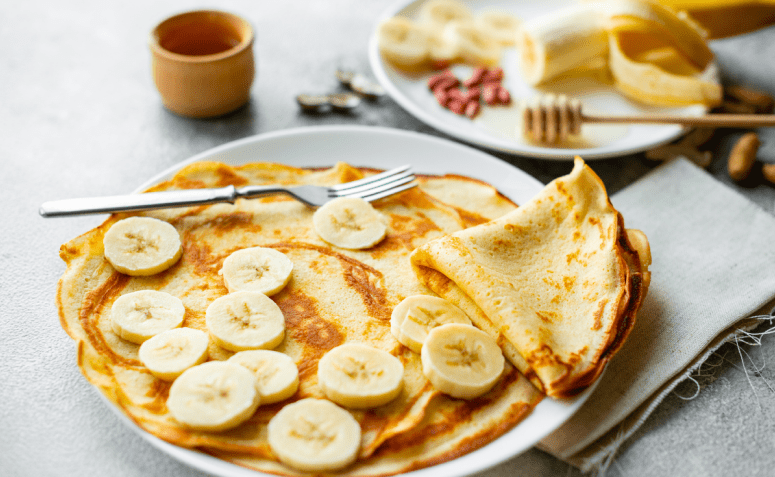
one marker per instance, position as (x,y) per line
(370,188)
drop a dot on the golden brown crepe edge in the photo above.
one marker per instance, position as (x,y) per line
(101,375)
(634,273)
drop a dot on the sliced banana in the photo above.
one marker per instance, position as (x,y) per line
(139,315)
(314,435)
(474,46)
(441,48)
(461,361)
(404,43)
(359,376)
(439,13)
(350,223)
(277,377)
(416,315)
(552,44)
(213,396)
(245,320)
(168,354)
(500,25)
(140,246)
(258,269)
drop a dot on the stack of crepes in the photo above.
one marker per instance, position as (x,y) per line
(654,54)
(557,281)
(335,296)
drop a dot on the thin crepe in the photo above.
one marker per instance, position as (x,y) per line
(334,296)
(557,281)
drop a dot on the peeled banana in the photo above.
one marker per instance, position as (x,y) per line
(314,435)
(461,361)
(654,55)
(359,376)
(137,316)
(416,315)
(258,269)
(168,354)
(213,396)
(245,320)
(558,42)
(142,246)
(277,377)
(350,223)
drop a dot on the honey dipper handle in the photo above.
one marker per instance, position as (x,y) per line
(715,120)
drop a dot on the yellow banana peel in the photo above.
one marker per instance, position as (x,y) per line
(658,58)
(650,83)
(724,18)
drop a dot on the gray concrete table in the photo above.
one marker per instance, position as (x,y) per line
(79,116)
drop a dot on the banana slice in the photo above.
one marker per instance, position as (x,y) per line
(359,376)
(404,43)
(415,316)
(139,315)
(168,354)
(258,269)
(502,26)
(213,396)
(350,223)
(245,320)
(441,49)
(140,246)
(314,435)
(438,13)
(461,361)
(277,377)
(561,41)
(474,45)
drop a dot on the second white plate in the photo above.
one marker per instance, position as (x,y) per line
(496,127)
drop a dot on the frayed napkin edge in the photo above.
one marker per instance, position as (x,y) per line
(602,452)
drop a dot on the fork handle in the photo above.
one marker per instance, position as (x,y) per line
(133,202)
(152,200)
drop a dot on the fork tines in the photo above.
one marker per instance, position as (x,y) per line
(377,186)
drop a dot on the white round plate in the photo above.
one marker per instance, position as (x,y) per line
(496,127)
(383,148)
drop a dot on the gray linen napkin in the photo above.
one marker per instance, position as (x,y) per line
(713,266)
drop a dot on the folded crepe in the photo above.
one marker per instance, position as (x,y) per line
(557,281)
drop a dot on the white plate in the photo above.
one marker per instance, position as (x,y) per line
(495,127)
(383,148)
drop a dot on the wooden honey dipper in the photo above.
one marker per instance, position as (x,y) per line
(551,119)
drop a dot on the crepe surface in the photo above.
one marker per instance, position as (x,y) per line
(334,296)
(557,281)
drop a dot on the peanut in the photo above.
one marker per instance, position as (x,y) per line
(697,137)
(733,107)
(743,156)
(671,151)
(768,171)
(483,82)
(476,77)
(762,102)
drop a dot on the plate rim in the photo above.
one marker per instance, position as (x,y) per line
(547,153)
(555,412)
